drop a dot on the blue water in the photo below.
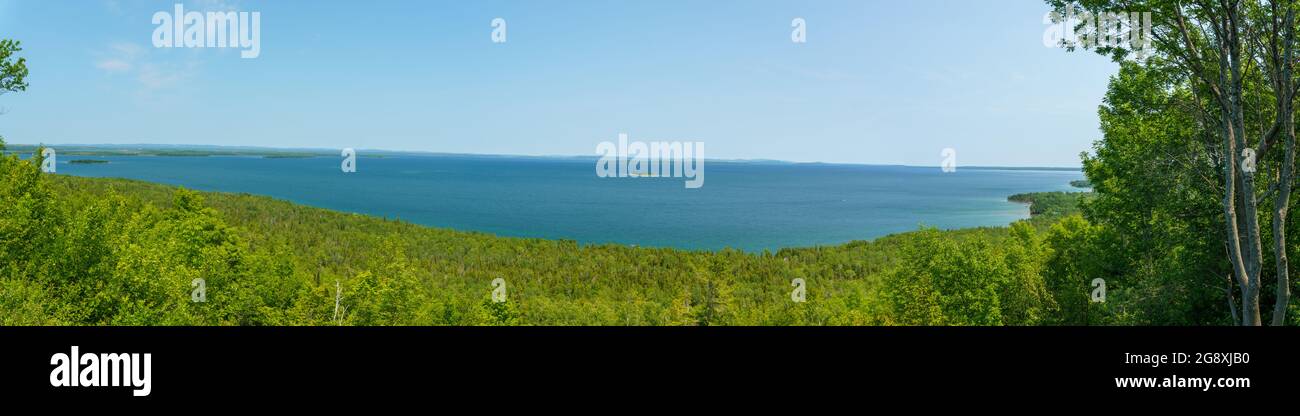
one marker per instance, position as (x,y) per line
(750,206)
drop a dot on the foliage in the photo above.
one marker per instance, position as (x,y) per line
(13,73)
(946,282)
(1195,172)
(1153,175)
(1052,204)
(91,251)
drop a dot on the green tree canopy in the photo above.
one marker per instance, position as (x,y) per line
(13,70)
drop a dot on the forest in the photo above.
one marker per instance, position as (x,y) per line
(93,251)
(1196,165)
(1186,223)
(88,251)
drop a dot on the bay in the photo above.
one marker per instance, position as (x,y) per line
(750,206)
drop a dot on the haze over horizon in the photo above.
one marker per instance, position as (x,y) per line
(326,152)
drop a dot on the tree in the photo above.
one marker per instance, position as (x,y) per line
(1157,205)
(13,73)
(942,281)
(1237,57)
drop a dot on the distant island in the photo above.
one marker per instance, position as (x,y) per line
(87,161)
(1082,183)
(288,156)
(170,151)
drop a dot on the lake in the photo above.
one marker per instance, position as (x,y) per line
(747,205)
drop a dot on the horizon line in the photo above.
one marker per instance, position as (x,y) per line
(544,156)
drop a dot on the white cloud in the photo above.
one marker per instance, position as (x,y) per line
(120,57)
(114,65)
(128,50)
(155,78)
(137,62)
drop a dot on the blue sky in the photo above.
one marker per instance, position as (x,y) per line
(886,82)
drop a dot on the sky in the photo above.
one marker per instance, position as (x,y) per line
(876,82)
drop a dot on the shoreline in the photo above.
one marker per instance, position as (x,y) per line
(146,150)
(1029,199)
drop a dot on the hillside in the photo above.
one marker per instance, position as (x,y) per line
(109,251)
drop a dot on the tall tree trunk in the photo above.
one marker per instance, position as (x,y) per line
(1280,211)
(1254,260)
(1227,98)
(1250,213)
(1283,85)
(1240,260)
(1233,51)
(1282,205)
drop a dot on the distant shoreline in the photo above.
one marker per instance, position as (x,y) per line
(293,153)
(1040,202)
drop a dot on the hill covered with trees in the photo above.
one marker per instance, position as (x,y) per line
(1172,234)
(89,251)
